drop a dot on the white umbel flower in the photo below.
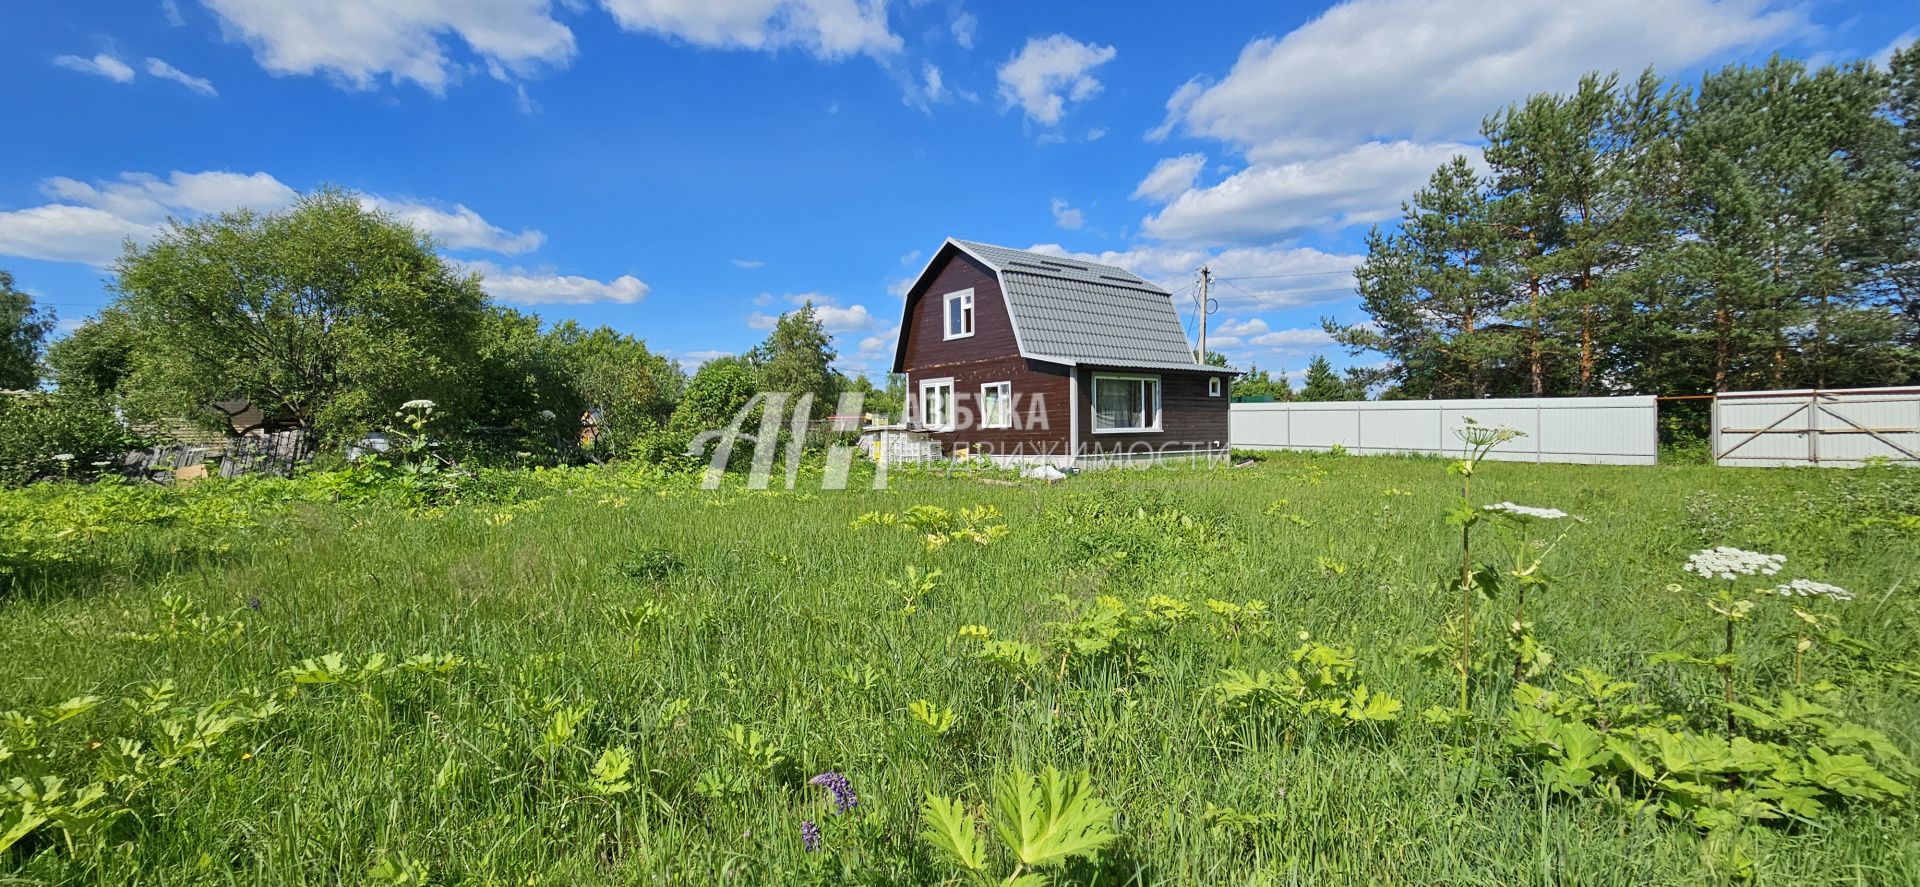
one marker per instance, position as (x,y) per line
(1525,511)
(1729,563)
(62,457)
(421,404)
(1810,588)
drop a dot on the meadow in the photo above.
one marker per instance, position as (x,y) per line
(1242,676)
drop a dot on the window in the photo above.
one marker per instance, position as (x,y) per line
(960,314)
(1213,386)
(936,404)
(1126,403)
(996,405)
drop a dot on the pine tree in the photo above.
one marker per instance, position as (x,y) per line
(1323,384)
(1437,291)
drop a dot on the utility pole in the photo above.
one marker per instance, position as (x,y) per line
(1204,277)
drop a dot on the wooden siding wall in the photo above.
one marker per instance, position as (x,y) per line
(991,354)
(1190,420)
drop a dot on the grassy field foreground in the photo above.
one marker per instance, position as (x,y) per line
(624,679)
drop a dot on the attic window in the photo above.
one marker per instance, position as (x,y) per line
(1213,386)
(959,314)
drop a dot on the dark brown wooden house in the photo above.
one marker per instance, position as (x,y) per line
(1030,358)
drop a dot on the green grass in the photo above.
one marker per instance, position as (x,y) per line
(777,617)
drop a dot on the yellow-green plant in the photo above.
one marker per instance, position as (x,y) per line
(1042,823)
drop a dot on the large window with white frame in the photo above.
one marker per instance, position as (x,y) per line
(1125,403)
(996,405)
(936,404)
(959,314)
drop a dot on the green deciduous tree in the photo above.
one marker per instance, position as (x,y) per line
(22,330)
(629,390)
(326,315)
(797,357)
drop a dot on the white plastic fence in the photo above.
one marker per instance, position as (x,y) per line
(1610,430)
(1837,429)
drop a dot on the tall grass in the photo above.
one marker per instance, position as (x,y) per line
(769,610)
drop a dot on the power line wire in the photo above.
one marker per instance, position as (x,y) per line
(1276,276)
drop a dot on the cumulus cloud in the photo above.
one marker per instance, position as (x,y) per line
(164,71)
(1430,69)
(827,29)
(1065,216)
(1250,278)
(1049,72)
(540,287)
(357,42)
(88,221)
(1170,177)
(1361,185)
(102,65)
(458,227)
(833,317)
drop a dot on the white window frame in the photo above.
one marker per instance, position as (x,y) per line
(1093,403)
(952,408)
(1213,386)
(1006,400)
(965,298)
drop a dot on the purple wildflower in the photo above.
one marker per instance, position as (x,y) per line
(253,603)
(809,835)
(837,785)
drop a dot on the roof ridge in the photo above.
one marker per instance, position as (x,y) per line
(1051,258)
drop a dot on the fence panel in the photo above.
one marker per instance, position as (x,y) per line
(1840,428)
(1610,430)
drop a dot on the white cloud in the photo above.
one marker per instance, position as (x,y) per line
(1250,327)
(747,263)
(525,287)
(1048,72)
(935,89)
(1362,185)
(1885,55)
(1248,278)
(171,10)
(1431,69)
(872,355)
(164,71)
(1171,176)
(87,221)
(356,42)
(693,359)
(1293,340)
(964,26)
(102,65)
(833,317)
(457,226)
(828,29)
(1066,216)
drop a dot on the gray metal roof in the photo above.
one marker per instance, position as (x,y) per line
(1071,311)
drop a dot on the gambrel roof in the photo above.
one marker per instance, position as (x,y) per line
(1074,312)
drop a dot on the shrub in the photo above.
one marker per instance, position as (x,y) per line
(45,436)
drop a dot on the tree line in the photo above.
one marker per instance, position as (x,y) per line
(328,315)
(1757,229)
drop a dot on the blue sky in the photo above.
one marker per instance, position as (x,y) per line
(686,170)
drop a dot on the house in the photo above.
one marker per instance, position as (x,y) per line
(1028,358)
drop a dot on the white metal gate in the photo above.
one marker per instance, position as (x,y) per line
(1841,428)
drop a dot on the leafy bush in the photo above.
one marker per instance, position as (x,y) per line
(46,436)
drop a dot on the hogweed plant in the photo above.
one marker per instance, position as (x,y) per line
(1527,552)
(1725,566)
(1042,823)
(1478,441)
